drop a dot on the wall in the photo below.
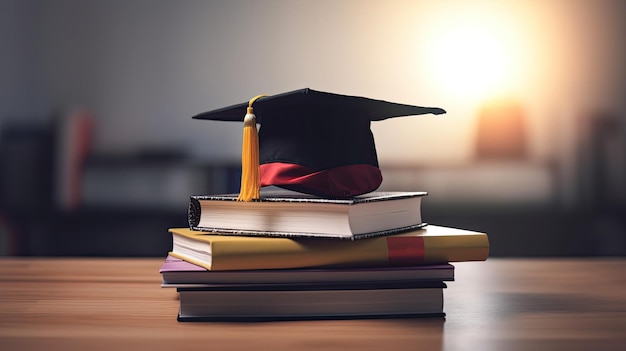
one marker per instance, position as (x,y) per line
(144,67)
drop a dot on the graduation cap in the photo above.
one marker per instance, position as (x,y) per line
(310,141)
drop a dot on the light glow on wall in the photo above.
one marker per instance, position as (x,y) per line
(479,52)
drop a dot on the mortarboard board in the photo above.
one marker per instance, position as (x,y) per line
(312,142)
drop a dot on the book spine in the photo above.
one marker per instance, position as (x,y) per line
(406,251)
(74,132)
(278,253)
(456,249)
(193,213)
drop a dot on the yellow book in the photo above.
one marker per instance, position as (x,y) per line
(428,245)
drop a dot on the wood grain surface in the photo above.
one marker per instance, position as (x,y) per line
(500,304)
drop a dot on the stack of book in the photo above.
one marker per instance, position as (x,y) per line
(294,256)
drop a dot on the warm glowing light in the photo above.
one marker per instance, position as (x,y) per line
(477,54)
(470,59)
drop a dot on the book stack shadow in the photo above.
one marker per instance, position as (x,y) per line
(290,256)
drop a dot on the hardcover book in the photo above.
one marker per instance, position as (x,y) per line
(179,273)
(291,214)
(287,302)
(428,245)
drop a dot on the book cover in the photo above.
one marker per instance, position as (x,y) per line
(179,273)
(287,302)
(290,214)
(428,245)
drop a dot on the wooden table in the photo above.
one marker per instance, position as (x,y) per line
(501,304)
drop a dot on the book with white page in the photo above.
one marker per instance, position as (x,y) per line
(286,213)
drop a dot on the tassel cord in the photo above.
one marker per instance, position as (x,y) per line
(250,177)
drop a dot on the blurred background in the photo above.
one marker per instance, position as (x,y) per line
(98,151)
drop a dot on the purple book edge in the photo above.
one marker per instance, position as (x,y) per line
(174,264)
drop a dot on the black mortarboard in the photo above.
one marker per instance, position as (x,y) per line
(313,142)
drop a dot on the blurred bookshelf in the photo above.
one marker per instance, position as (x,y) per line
(122,204)
(129,202)
(126,204)
(59,199)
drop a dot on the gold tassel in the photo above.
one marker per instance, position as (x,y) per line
(250,178)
